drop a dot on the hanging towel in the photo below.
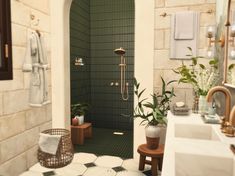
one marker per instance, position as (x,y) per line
(35,61)
(184,25)
(179,47)
(49,143)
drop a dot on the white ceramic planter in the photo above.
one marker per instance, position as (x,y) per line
(154,136)
(80,119)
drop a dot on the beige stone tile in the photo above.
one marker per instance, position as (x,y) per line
(170,3)
(16,101)
(203,40)
(42,5)
(18,144)
(32,156)
(20,13)
(207,19)
(18,55)
(162,61)
(167,38)
(16,83)
(27,79)
(165,22)
(49,112)
(19,35)
(1,103)
(159,39)
(159,3)
(35,117)
(46,126)
(44,21)
(14,166)
(211,1)
(15,122)
(157,77)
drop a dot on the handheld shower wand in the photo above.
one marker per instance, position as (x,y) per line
(124,85)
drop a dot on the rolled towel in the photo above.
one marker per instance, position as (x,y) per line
(49,143)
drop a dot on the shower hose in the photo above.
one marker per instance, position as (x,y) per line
(124,84)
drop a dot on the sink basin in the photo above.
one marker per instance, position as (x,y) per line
(201,165)
(204,132)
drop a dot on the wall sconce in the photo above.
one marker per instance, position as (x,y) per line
(231,40)
(78,62)
(211,36)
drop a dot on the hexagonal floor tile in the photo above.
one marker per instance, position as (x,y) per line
(108,161)
(73,169)
(130,173)
(131,164)
(31,173)
(99,171)
(84,158)
(38,168)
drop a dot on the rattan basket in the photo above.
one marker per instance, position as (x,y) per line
(64,154)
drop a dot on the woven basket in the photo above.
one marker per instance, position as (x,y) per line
(64,154)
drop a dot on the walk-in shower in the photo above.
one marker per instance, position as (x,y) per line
(124,85)
(97,27)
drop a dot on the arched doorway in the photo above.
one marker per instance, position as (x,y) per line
(144,56)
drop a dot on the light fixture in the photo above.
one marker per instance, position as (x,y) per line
(210,34)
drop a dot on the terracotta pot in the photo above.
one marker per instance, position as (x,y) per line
(75,121)
(152,136)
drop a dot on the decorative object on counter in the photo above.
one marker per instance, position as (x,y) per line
(153,114)
(212,119)
(77,113)
(201,77)
(180,108)
(232,147)
(64,153)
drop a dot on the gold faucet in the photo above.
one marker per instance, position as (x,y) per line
(225,91)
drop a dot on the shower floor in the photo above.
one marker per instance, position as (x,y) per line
(104,142)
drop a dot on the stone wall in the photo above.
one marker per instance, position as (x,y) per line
(162,64)
(20,124)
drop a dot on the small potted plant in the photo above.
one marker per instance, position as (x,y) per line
(77,113)
(153,114)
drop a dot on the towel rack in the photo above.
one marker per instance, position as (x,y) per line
(164,14)
(33,18)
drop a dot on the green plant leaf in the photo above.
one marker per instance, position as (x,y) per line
(231,66)
(141,93)
(202,66)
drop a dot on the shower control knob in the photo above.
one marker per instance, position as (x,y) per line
(116,84)
(111,84)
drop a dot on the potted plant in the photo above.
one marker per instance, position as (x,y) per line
(153,113)
(201,77)
(77,113)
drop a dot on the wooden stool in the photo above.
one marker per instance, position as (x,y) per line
(80,132)
(156,158)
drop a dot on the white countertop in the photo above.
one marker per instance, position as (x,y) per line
(209,148)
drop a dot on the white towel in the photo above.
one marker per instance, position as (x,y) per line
(184,25)
(179,47)
(49,143)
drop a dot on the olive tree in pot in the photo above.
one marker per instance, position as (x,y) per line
(77,113)
(153,114)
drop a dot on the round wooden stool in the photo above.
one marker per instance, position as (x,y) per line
(156,158)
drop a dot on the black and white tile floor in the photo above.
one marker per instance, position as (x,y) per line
(87,164)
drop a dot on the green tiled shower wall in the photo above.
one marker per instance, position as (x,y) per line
(80,47)
(111,27)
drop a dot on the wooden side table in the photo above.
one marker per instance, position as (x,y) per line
(156,158)
(78,133)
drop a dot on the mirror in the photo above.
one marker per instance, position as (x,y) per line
(225,20)
(5,41)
